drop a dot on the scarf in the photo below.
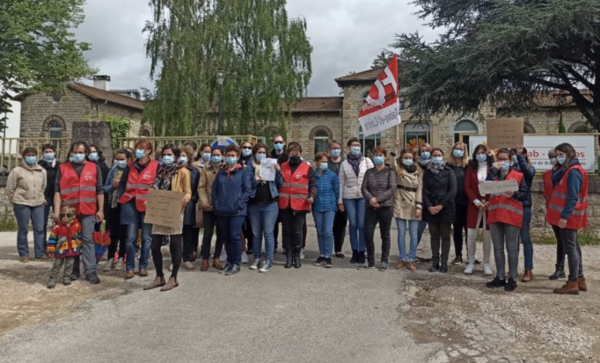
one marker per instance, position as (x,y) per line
(165,174)
(354,161)
(557,175)
(410,169)
(423,163)
(435,168)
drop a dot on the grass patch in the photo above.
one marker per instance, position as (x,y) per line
(8,224)
(585,237)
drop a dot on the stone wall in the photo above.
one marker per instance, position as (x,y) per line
(302,129)
(95,132)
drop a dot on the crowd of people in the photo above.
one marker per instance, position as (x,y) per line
(224,194)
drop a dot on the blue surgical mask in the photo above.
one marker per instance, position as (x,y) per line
(278,147)
(336,152)
(183,159)
(425,155)
(71,159)
(78,158)
(140,154)
(324,166)
(458,153)
(206,156)
(562,159)
(30,160)
(231,160)
(260,157)
(378,160)
(246,152)
(121,164)
(355,150)
(167,159)
(481,157)
(49,156)
(505,165)
(93,156)
(407,162)
(216,159)
(437,160)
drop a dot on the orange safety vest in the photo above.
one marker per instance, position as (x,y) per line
(138,185)
(295,187)
(578,218)
(548,187)
(79,191)
(503,209)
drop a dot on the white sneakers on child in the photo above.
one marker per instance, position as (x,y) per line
(470,268)
(487,269)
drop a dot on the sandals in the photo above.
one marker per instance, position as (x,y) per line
(170,285)
(158,282)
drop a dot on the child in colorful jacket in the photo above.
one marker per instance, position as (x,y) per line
(65,243)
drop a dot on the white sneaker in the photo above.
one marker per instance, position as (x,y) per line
(487,270)
(302,254)
(470,268)
(188,265)
(120,265)
(255,264)
(223,256)
(170,268)
(109,265)
(244,257)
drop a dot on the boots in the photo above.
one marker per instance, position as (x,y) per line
(570,288)
(582,284)
(297,259)
(444,267)
(362,259)
(288,257)
(559,273)
(354,259)
(527,276)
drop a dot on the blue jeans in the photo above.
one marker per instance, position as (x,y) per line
(136,223)
(231,227)
(526,239)
(413,232)
(355,210)
(324,224)
(49,204)
(420,231)
(262,220)
(24,213)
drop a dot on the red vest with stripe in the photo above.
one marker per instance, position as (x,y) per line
(548,187)
(503,209)
(295,187)
(79,191)
(578,218)
(138,185)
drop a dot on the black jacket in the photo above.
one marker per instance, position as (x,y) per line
(281,158)
(50,176)
(460,173)
(439,189)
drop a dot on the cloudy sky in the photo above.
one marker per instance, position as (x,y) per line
(346,36)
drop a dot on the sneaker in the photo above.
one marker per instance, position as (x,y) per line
(255,264)
(339,255)
(511,285)
(228,267)
(383,266)
(328,263)
(244,257)
(354,258)
(435,267)
(487,269)
(368,265)
(470,268)
(495,283)
(223,257)
(302,255)
(93,279)
(51,283)
(66,281)
(188,265)
(266,266)
(233,270)
(362,258)
(109,265)
(457,260)
(120,265)
(319,261)
(74,276)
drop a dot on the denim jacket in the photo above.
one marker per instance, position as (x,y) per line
(273,185)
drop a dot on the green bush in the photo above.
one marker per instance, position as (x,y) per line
(8,224)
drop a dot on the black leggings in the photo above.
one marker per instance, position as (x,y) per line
(118,233)
(460,225)
(191,237)
(176,249)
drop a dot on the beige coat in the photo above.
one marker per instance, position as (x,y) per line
(406,202)
(26,185)
(207,177)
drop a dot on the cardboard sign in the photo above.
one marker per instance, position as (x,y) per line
(505,132)
(164,207)
(498,187)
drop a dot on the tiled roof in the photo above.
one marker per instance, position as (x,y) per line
(368,75)
(319,104)
(101,95)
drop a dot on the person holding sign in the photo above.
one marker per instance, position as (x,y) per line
(439,191)
(325,207)
(505,218)
(262,208)
(567,213)
(174,176)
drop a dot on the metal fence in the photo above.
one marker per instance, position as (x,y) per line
(160,141)
(11,149)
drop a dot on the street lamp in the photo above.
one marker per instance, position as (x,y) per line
(220,79)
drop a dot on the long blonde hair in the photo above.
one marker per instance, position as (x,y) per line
(465,159)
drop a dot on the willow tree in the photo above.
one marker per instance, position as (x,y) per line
(264,55)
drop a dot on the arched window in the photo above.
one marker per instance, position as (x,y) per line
(144,133)
(321,141)
(55,126)
(368,143)
(580,128)
(464,129)
(528,129)
(416,135)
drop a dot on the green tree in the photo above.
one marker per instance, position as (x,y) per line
(382,60)
(266,59)
(38,51)
(503,53)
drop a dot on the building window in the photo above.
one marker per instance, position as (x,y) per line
(464,129)
(415,135)
(580,128)
(55,130)
(528,129)
(368,143)
(144,133)
(321,141)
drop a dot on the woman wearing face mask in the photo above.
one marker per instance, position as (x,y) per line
(203,157)
(51,165)
(263,209)
(231,191)
(207,177)
(378,189)
(118,232)
(246,159)
(439,191)
(172,175)
(459,159)
(351,200)
(559,272)
(477,216)
(325,207)
(522,163)
(135,182)
(341,220)
(408,207)
(423,161)
(25,191)
(191,234)
(567,213)
(505,218)
(96,157)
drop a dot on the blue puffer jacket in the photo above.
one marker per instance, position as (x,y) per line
(231,191)
(328,191)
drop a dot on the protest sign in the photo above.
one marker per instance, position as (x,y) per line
(267,169)
(505,132)
(381,109)
(164,207)
(498,187)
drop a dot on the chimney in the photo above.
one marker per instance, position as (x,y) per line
(102,82)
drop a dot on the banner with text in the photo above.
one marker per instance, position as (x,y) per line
(539,146)
(381,109)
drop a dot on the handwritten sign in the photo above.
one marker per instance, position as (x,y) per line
(498,187)
(505,132)
(267,169)
(164,207)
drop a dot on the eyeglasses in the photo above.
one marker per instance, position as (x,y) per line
(278,142)
(68,215)
(246,147)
